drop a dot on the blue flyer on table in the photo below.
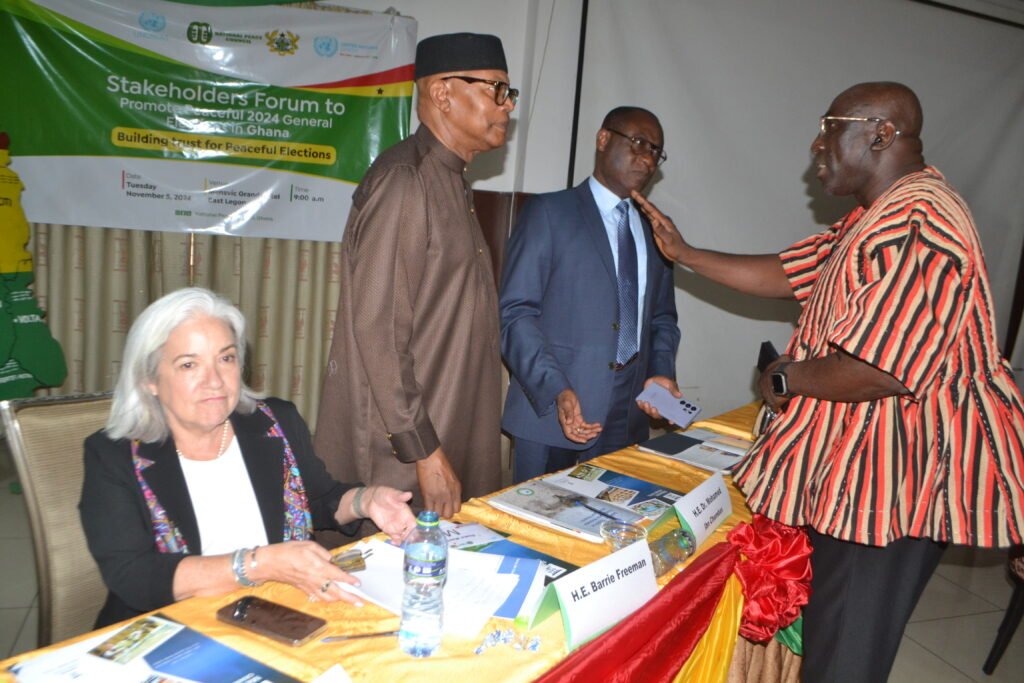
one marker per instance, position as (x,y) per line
(554,568)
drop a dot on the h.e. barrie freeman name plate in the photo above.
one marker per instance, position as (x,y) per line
(594,598)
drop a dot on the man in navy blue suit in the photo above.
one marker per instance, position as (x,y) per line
(588,314)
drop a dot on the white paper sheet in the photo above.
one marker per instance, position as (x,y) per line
(468,535)
(473,592)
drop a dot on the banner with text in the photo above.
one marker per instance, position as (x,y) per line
(155,115)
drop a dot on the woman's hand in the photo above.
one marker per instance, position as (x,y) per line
(389,510)
(305,565)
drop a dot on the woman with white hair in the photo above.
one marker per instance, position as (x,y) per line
(197,485)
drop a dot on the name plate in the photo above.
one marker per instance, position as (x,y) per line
(705,508)
(594,598)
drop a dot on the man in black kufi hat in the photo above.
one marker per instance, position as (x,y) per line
(412,396)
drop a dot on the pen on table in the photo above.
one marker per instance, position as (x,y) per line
(600,512)
(335,639)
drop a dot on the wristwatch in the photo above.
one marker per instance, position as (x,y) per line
(780,383)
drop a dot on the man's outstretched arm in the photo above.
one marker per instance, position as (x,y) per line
(758,274)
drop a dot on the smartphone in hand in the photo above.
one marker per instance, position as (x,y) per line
(273,620)
(678,410)
(766,355)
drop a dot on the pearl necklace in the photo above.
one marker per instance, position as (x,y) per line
(223,443)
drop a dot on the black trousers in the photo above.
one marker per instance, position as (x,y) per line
(861,599)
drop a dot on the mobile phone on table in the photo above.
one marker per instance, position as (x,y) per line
(270,619)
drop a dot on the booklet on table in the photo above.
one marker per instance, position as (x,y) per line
(561,509)
(699,447)
(629,493)
(151,648)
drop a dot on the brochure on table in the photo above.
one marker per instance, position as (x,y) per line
(475,537)
(629,493)
(148,649)
(561,509)
(594,598)
(554,568)
(699,447)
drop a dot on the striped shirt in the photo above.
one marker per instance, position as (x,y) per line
(901,285)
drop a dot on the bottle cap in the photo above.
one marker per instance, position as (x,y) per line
(427,518)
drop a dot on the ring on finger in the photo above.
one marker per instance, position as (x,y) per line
(326,587)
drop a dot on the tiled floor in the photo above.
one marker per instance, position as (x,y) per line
(947,640)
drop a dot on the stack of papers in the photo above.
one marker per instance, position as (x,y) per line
(478,538)
(477,587)
(700,447)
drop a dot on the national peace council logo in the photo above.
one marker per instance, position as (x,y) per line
(199,32)
(282,42)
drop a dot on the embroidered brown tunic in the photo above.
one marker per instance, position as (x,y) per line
(414,361)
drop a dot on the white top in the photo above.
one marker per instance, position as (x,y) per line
(225,504)
(607,205)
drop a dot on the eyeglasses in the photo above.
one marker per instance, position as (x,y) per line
(502,91)
(823,125)
(641,146)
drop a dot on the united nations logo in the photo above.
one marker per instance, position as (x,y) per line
(282,42)
(325,46)
(151,21)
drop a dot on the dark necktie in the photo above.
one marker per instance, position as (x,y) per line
(627,346)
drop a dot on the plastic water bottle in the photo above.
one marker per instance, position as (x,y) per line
(426,568)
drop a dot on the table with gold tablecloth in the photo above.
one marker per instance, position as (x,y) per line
(380,658)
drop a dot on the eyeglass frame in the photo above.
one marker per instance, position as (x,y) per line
(643,146)
(826,117)
(499,88)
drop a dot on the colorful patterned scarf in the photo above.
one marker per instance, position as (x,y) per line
(298,523)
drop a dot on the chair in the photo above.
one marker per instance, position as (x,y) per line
(1013,613)
(45,436)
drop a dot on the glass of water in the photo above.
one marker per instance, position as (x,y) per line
(617,535)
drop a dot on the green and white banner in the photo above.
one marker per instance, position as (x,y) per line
(157,115)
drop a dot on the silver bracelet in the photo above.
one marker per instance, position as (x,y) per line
(238,568)
(357,503)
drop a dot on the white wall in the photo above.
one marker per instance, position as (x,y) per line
(513,22)
(541,39)
(739,86)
